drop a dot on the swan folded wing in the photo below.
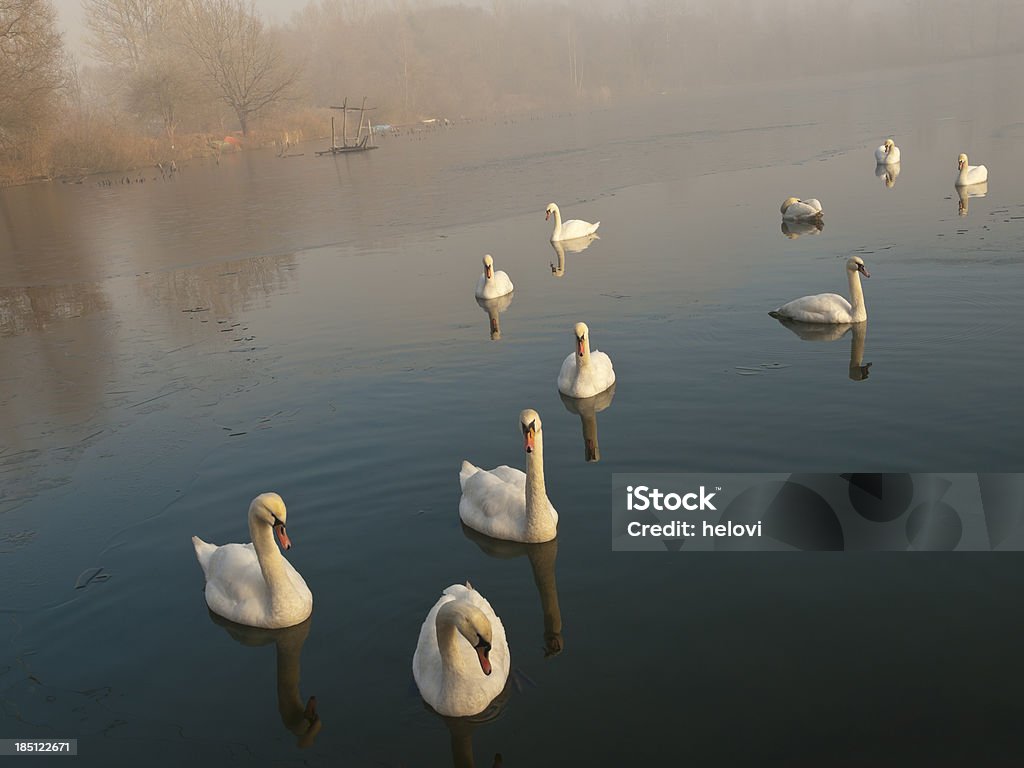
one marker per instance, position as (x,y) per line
(204,551)
(493,505)
(234,581)
(574,228)
(821,308)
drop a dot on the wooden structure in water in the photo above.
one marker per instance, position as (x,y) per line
(361,142)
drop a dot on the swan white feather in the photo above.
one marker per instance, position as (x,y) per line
(253,584)
(585,373)
(970,174)
(506,503)
(794,209)
(492,284)
(831,307)
(570,229)
(888,153)
(450,658)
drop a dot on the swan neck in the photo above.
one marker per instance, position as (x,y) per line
(858,312)
(558,221)
(585,360)
(537,514)
(270,558)
(448,639)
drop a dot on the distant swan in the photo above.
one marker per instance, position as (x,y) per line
(253,584)
(888,153)
(794,209)
(505,503)
(571,229)
(970,174)
(462,660)
(831,307)
(492,284)
(585,373)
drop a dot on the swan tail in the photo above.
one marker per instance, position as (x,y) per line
(467,471)
(204,551)
(776,314)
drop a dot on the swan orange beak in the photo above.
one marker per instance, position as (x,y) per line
(282,536)
(579,345)
(485,663)
(489,271)
(863,270)
(528,440)
(547,215)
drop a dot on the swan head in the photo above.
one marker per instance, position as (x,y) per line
(269,508)
(889,144)
(552,208)
(961,162)
(488,267)
(471,623)
(582,335)
(789,202)
(529,421)
(856,264)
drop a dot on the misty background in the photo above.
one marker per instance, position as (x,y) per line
(142,81)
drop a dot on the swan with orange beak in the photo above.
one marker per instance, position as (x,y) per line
(492,284)
(585,373)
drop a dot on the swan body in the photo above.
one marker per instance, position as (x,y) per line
(888,153)
(831,307)
(585,373)
(506,503)
(492,284)
(462,660)
(970,174)
(253,584)
(571,229)
(795,209)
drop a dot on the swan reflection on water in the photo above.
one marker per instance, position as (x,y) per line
(542,559)
(299,718)
(858,370)
(965,193)
(561,247)
(461,729)
(888,174)
(493,308)
(587,409)
(794,229)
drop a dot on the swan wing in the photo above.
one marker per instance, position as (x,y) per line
(574,228)
(235,587)
(821,308)
(589,381)
(880,156)
(495,502)
(803,209)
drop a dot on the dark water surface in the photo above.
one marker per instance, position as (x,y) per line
(170,349)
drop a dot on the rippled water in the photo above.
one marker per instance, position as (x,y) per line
(172,348)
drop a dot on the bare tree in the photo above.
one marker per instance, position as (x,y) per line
(238,55)
(32,67)
(122,32)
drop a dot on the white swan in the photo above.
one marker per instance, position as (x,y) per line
(253,584)
(831,307)
(585,373)
(571,229)
(970,174)
(492,284)
(505,503)
(794,209)
(460,676)
(888,153)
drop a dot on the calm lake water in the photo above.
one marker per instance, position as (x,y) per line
(170,349)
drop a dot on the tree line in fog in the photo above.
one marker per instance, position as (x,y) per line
(168,79)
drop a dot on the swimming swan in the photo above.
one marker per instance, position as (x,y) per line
(492,284)
(460,676)
(505,503)
(571,229)
(253,584)
(585,373)
(831,307)
(970,174)
(794,209)
(888,153)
